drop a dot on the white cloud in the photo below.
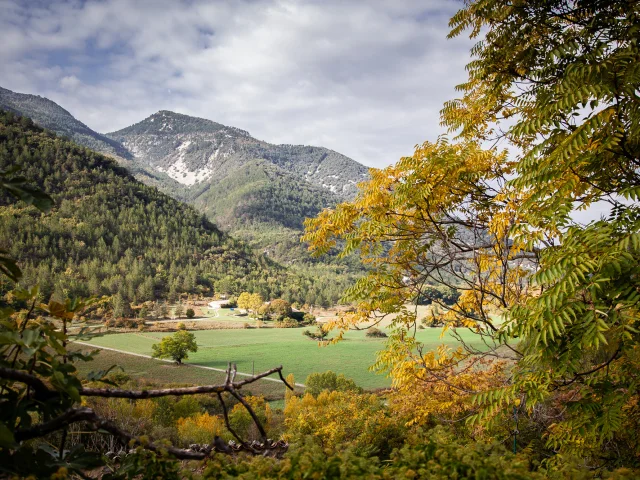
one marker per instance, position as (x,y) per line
(366,79)
(69,82)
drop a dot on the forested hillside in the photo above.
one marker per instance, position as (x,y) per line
(50,115)
(245,193)
(259,192)
(110,234)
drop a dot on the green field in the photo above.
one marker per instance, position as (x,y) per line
(147,371)
(270,347)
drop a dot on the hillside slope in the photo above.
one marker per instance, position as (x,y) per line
(110,234)
(258,192)
(52,116)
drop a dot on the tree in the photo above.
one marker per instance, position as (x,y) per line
(279,308)
(500,231)
(568,88)
(433,218)
(190,313)
(178,311)
(255,302)
(176,346)
(244,300)
(162,310)
(250,301)
(118,305)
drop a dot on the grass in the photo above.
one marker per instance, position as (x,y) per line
(266,348)
(162,373)
(226,315)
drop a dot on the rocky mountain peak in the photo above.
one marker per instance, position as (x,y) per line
(166,122)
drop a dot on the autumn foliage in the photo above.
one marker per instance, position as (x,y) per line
(547,124)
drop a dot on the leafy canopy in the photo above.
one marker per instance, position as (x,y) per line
(554,302)
(176,346)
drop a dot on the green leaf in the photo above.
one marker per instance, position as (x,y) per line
(9,267)
(6,437)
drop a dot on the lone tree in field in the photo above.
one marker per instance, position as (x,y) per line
(176,347)
(190,313)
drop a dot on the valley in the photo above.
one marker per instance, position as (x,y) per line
(197,297)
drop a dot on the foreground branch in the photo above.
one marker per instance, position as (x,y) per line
(96,423)
(40,389)
(42,392)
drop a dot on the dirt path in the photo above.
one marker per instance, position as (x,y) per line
(195,365)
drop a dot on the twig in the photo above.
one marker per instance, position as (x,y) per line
(76,415)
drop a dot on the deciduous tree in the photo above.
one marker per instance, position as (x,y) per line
(566,95)
(176,346)
(557,83)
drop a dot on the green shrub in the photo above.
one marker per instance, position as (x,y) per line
(376,333)
(318,335)
(190,313)
(287,323)
(319,382)
(308,319)
(439,457)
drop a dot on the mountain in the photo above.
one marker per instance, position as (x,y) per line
(50,115)
(241,198)
(258,192)
(194,150)
(109,234)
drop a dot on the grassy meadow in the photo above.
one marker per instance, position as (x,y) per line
(269,347)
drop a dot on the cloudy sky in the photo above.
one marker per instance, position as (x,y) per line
(365,78)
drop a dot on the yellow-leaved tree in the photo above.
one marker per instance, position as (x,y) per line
(553,302)
(440,217)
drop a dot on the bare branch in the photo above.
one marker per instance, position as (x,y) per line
(95,423)
(42,392)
